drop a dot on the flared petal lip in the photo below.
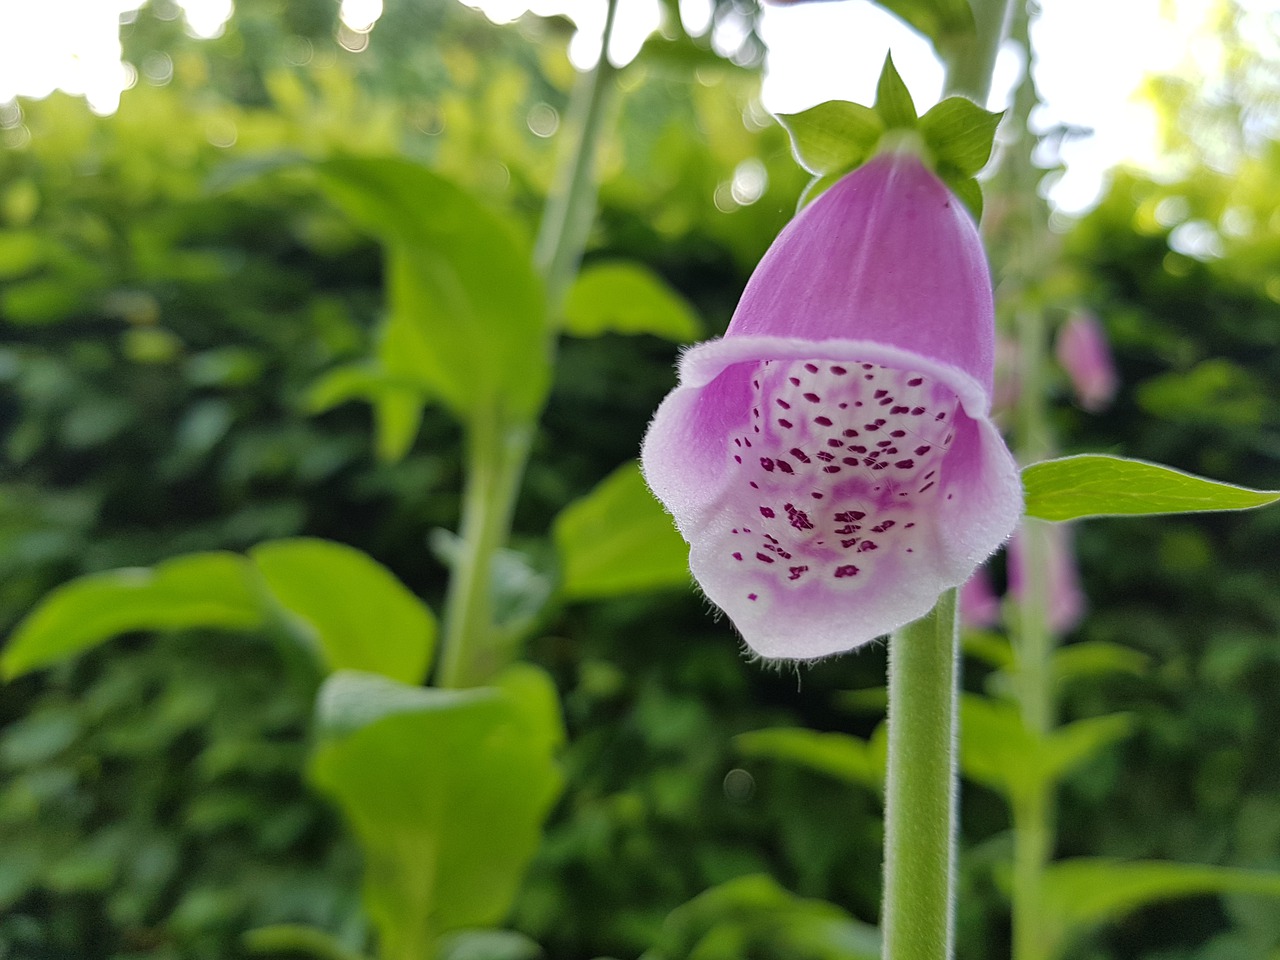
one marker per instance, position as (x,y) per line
(701,364)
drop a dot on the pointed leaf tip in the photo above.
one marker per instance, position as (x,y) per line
(893,99)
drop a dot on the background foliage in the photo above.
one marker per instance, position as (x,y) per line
(164,331)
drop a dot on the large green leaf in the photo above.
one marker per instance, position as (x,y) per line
(357,613)
(838,755)
(618,540)
(200,590)
(1094,485)
(1084,892)
(627,298)
(468,314)
(446,791)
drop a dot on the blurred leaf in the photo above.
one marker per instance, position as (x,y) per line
(1093,485)
(998,751)
(293,940)
(397,403)
(1096,658)
(838,755)
(1084,892)
(754,917)
(833,137)
(357,613)
(462,293)
(627,298)
(938,20)
(198,590)
(487,945)
(618,540)
(446,791)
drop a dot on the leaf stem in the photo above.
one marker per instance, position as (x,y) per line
(920,800)
(496,458)
(570,209)
(497,449)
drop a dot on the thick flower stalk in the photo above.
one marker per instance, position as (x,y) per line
(831,460)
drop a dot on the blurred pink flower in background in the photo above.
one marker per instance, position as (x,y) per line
(1066,601)
(1085,354)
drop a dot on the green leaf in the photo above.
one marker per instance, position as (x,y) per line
(752,916)
(488,945)
(216,590)
(397,403)
(468,316)
(618,540)
(960,134)
(939,20)
(1093,485)
(968,191)
(627,298)
(1000,752)
(833,137)
(1095,658)
(357,613)
(893,100)
(291,939)
(446,791)
(838,755)
(1082,893)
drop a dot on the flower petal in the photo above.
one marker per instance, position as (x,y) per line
(831,490)
(886,254)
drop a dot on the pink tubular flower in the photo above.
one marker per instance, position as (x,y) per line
(1066,601)
(831,460)
(1085,355)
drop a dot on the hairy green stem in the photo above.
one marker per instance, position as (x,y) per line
(497,447)
(920,799)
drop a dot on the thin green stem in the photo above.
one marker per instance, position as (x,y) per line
(570,209)
(495,465)
(920,801)
(497,448)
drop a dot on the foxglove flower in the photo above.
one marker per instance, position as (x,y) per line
(1065,600)
(831,460)
(1084,353)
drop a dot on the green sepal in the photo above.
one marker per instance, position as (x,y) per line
(893,100)
(954,137)
(833,137)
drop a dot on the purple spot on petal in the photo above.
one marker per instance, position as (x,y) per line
(767,464)
(916,411)
(737,556)
(751,596)
(812,397)
(904,464)
(831,469)
(796,572)
(785,423)
(799,454)
(764,558)
(785,467)
(767,512)
(915,381)
(839,371)
(782,403)
(848,570)
(923,449)
(811,368)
